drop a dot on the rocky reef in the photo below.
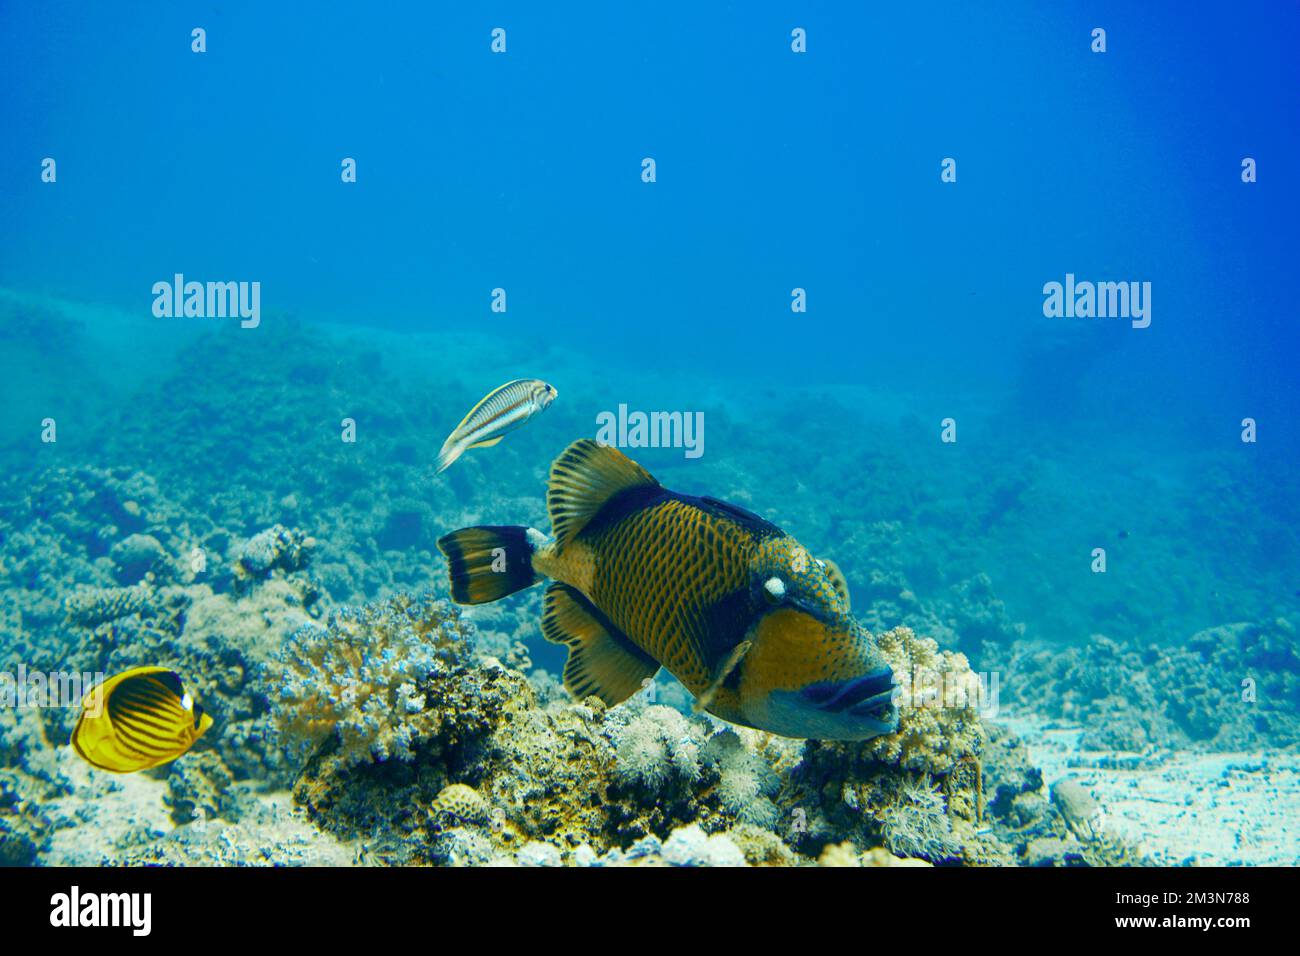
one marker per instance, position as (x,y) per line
(291,577)
(1231,687)
(462,763)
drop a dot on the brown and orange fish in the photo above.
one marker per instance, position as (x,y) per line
(643,577)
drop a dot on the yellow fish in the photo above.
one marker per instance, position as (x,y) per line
(502,410)
(642,577)
(139,719)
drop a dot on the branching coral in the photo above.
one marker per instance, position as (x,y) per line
(914,820)
(275,547)
(359,676)
(938,705)
(655,747)
(90,607)
(746,782)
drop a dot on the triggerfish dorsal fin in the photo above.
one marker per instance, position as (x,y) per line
(838,581)
(602,662)
(583,479)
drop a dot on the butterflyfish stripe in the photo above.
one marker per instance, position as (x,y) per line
(143,739)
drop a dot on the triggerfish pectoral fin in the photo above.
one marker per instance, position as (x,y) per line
(602,662)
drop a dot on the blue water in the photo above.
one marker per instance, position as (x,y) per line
(775,171)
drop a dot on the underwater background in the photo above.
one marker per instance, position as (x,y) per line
(358,719)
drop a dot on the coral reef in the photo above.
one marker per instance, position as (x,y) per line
(654,748)
(746,782)
(411,731)
(91,607)
(1229,688)
(357,677)
(24,827)
(939,696)
(274,547)
(487,772)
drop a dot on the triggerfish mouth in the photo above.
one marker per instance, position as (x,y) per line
(138,719)
(642,577)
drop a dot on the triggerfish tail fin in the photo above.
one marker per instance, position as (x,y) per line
(583,479)
(488,562)
(603,662)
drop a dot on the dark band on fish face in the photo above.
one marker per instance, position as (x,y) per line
(726,623)
(870,691)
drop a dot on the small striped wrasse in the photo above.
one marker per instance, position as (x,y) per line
(138,719)
(501,411)
(641,577)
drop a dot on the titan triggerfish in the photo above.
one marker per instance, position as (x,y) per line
(758,630)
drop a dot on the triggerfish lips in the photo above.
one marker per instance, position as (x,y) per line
(869,698)
(854,708)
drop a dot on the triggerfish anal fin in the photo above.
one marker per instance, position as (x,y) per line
(602,661)
(583,480)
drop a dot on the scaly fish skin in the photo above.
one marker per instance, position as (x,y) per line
(736,609)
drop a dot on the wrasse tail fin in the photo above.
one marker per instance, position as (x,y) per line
(447,455)
(487,562)
(602,662)
(583,479)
